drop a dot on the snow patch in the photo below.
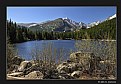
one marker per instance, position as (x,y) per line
(112,17)
(32,25)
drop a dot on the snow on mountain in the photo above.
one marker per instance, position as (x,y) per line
(93,24)
(27,24)
(71,22)
(65,18)
(111,17)
(97,22)
(82,25)
(32,25)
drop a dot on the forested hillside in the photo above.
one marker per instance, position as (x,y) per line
(105,30)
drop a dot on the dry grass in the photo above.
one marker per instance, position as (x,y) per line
(105,49)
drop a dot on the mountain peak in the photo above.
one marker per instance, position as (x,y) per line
(65,18)
(67,22)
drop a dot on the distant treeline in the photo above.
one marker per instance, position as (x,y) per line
(105,30)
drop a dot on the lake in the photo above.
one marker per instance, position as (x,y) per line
(25,49)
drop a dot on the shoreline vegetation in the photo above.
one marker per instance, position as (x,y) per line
(91,61)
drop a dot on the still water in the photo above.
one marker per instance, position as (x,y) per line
(25,49)
(99,48)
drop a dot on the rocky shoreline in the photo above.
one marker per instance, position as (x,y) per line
(80,66)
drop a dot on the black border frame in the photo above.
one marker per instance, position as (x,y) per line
(5,3)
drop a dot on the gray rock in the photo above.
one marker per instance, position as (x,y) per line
(111,77)
(81,57)
(35,75)
(24,65)
(15,68)
(61,77)
(87,59)
(68,67)
(65,76)
(34,67)
(51,74)
(72,67)
(62,72)
(16,74)
(76,74)
(62,67)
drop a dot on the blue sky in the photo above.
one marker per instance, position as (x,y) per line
(86,14)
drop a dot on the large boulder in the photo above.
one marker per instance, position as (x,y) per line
(111,77)
(34,67)
(81,57)
(62,67)
(16,74)
(68,67)
(35,75)
(24,65)
(87,59)
(76,74)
